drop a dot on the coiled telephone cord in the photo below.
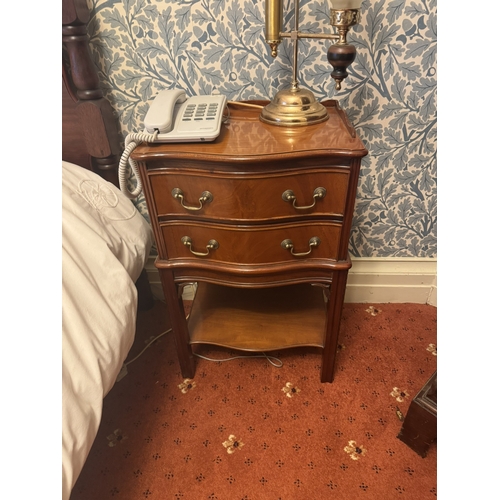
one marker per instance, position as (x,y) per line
(131,142)
(134,139)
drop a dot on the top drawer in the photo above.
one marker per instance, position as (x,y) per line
(321,191)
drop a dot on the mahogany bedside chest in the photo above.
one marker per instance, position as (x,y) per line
(260,219)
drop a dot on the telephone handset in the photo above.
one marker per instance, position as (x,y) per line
(173,117)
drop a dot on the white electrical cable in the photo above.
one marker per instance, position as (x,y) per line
(131,142)
(276,362)
(147,345)
(271,359)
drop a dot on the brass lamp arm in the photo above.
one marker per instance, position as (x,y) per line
(299,34)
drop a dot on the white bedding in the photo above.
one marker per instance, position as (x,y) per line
(105,245)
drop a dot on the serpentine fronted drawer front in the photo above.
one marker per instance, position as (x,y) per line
(251,244)
(251,197)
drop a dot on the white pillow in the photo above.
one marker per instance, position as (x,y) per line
(107,212)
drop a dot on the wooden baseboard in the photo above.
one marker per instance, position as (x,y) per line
(396,280)
(371,280)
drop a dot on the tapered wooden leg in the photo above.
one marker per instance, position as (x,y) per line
(334,315)
(179,323)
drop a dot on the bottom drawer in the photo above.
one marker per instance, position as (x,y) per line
(251,244)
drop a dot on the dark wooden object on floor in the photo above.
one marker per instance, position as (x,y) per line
(278,217)
(90,133)
(419,429)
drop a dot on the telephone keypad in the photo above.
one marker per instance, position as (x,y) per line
(199,112)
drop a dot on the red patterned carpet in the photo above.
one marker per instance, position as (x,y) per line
(246,430)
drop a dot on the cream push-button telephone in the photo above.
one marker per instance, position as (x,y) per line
(179,119)
(173,117)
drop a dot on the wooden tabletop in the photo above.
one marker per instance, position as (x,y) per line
(244,137)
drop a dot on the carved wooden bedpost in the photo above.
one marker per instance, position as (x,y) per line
(99,125)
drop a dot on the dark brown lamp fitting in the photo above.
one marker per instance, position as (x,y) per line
(340,56)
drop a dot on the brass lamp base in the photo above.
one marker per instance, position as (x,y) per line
(294,107)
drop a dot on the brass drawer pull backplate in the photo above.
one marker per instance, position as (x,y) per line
(318,194)
(288,245)
(212,245)
(206,197)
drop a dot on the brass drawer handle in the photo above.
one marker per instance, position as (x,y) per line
(212,245)
(318,194)
(288,245)
(206,197)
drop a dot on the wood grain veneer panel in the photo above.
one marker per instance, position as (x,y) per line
(252,196)
(258,244)
(246,138)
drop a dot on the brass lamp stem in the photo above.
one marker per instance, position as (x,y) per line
(295,40)
(342,36)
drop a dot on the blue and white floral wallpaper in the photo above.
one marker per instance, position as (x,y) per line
(202,46)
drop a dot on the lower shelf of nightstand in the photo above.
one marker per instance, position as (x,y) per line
(258,319)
